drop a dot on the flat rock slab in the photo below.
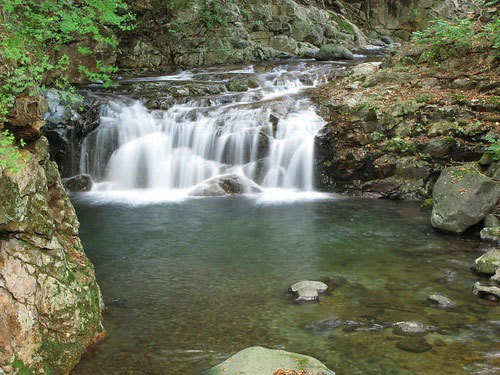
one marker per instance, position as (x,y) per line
(261,361)
(308,290)
(491,292)
(413,345)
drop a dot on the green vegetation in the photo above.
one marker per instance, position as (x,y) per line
(451,38)
(34,32)
(494,148)
(10,156)
(399,145)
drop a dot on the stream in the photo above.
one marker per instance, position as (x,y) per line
(189,281)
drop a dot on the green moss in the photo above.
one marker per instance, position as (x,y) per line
(342,24)
(427,204)
(21,368)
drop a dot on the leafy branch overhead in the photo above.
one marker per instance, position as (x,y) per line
(32,33)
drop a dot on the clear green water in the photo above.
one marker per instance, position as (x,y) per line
(195,281)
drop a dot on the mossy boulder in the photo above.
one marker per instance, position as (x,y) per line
(261,361)
(333,51)
(462,197)
(488,263)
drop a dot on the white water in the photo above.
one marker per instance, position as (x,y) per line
(169,152)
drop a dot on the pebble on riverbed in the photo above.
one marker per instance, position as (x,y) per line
(308,290)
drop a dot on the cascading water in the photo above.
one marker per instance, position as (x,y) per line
(265,134)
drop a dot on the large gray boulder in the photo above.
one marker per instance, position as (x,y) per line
(333,52)
(462,197)
(81,182)
(224,185)
(261,361)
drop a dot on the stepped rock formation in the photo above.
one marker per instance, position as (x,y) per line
(50,303)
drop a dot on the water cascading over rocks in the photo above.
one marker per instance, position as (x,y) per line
(265,134)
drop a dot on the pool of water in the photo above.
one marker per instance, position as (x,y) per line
(189,283)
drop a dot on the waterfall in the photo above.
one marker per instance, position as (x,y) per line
(265,134)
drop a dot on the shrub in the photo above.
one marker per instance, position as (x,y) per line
(34,30)
(10,156)
(494,148)
(399,145)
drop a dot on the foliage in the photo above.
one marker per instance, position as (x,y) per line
(450,38)
(212,13)
(399,145)
(494,148)
(33,32)
(10,156)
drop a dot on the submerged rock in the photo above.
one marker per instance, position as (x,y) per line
(414,344)
(441,300)
(261,361)
(224,185)
(406,328)
(81,182)
(488,263)
(462,197)
(308,290)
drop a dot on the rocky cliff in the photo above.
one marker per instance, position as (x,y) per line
(50,302)
(202,33)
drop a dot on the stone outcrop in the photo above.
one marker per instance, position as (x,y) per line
(50,303)
(462,197)
(261,361)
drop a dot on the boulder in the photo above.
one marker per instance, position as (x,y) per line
(361,71)
(261,361)
(81,182)
(496,277)
(488,263)
(491,234)
(441,300)
(407,328)
(308,290)
(333,52)
(462,197)
(224,185)
(486,292)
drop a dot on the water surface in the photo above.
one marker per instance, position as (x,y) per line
(189,283)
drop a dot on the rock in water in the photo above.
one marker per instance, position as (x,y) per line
(333,52)
(81,182)
(414,344)
(224,185)
(440,300)
(411,328)
(50,303)
(491,234)
(488,263)
(308,290)
(462,197)
(490,292)
(261,361)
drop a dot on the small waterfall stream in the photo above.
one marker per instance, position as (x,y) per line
(265,134)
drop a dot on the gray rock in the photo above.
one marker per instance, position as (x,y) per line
(224,185)
(414,344)
(496,277)
(308,290)
(361,71)
(441,300)
(238,84)
(494,171)
(261,361)
(333,52)
(488,263)
(407,328)
(491,234)
(79,183)
(490,292)
(387,39)
(491,221)
(462,197)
